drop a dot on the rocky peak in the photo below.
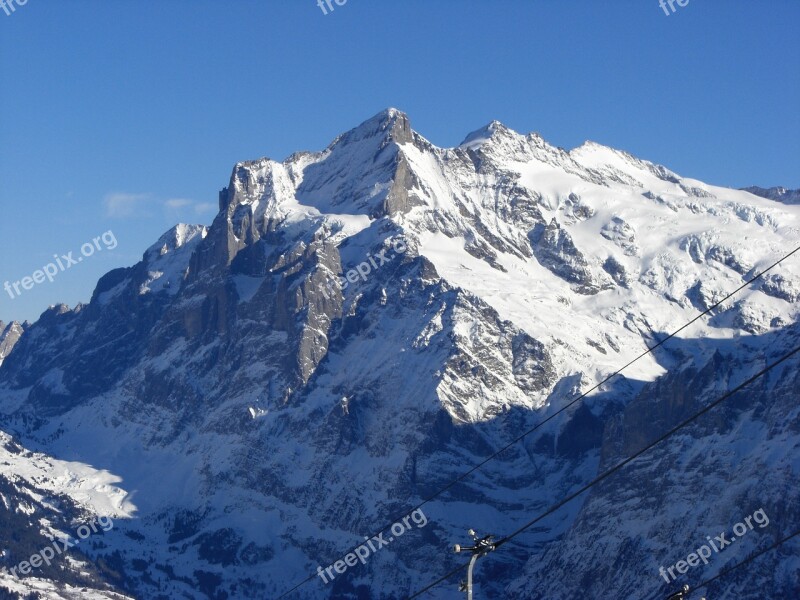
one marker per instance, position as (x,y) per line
(172,240)
(493,131)
(390,125)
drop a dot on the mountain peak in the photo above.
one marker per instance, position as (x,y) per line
(591,145)
(390,124)
(173,239)
(491,131)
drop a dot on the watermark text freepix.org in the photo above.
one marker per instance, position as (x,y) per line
(63,262)
(365,268)
(9,8)
(58,546)
(663,4)
(703,553)
(373,545)
(323,3)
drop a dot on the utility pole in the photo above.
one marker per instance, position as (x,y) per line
(481,548)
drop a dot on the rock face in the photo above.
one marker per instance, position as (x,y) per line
(455,297)
(554,249)
(779,194)
(9,336)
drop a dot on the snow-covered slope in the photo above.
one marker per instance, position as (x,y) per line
(455,297)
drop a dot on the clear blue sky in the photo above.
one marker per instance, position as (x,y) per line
(128,116)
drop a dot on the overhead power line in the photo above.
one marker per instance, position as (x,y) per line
(441,579)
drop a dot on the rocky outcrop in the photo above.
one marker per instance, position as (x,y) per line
(9,336)
(779,194)
(554,249)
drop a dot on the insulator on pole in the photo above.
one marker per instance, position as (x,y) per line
(681,595)
(483,545)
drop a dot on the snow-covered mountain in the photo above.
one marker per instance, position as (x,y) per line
(359,326)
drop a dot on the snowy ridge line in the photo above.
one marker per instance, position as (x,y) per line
(561,410)
(622,463)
